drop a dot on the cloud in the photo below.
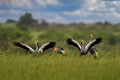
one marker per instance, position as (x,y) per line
(16,3)
(2,19)
(57,18)
(113,13)
(98,7)
(94,5)
(2,12)
(101,6)
(115,2)
(12,11)
(96,10)
(89,7)
(72,13)
(28,3)
(16,12)
(10,14)
(68,11)
(114,8)
(50,17)
(77,13)
(47,2)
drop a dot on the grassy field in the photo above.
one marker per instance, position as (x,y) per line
(58,67)
(16,65)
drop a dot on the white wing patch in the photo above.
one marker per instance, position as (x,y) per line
(43,46)
(89,44)
(77,43)
(32,50)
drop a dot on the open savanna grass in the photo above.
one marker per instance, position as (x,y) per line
(58,67)
(15,64)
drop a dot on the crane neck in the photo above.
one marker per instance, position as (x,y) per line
(36,47)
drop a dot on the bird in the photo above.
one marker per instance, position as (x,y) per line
(84,49)
(93,50)
(59,49)
(38,49)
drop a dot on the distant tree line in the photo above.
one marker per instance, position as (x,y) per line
(11,21)
(26,21)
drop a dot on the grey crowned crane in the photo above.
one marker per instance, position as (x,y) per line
(58,49)
(84,49)
(93,50)
(41,49)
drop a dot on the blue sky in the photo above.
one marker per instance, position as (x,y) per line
(62,11)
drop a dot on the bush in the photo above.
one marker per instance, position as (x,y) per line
(8,35)
(112,40)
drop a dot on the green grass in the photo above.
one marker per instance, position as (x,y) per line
(58,67)
(16,65)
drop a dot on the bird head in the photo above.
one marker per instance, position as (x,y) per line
(55,49)
(59,50)
(82,42)
(90,36)
(36,42)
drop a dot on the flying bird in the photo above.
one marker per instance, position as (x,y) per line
(84,49)
(38,49)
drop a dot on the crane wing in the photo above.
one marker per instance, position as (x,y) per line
(73,42)
(92,43)
(24,46)
(46,46)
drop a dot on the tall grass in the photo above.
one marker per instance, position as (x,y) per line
(15,64)
(58,67)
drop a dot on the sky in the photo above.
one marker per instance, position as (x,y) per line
(62,11)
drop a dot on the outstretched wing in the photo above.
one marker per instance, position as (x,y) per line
(46,46)
(92,43)
(24,46)
(73,42)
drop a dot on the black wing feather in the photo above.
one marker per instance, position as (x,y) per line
(20,45)
(92,43)
(98,40)
(50,45)
(71,42)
